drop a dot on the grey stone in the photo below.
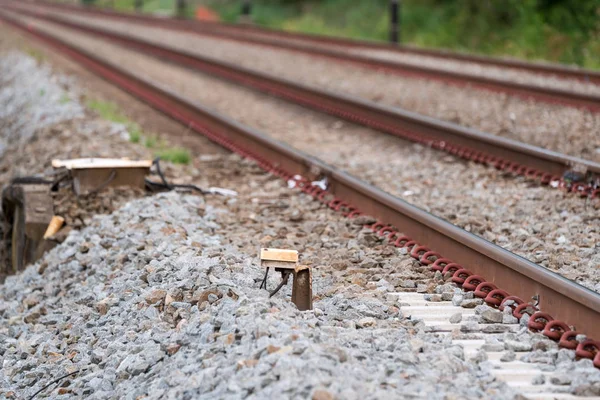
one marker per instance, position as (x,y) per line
(517,345)
(457,299)
(495,328)
(492,316)
(508,356)
(408,284)
(456,318)
(433,297)
(470,326)
(421,288)
(509,319)
(560,379)
(538,379)
(480,356)
(471,303)
(447,296)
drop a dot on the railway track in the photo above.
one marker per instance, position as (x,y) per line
(512,156)
(489,271)
(546,94)
(581,74)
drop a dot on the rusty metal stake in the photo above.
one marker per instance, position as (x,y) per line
(302,288)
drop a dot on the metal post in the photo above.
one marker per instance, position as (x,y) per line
(246,8)
(246,11)
(395,6)
(139,4)
(181,8)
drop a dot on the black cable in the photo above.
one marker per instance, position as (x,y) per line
(165,184)
(284,281)
(264,281)
(30,180)
(162,177)
(52,383)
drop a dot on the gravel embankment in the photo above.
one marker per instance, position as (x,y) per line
(43,119)
(28,105)
(152,302)
(538,223)
(160,300)
(564,129)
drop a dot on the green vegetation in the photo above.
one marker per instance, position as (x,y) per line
(176,155)
(566,31)
(38,55)
(109,111)
(135,134)
(148,6)
(64,98)
(150,141)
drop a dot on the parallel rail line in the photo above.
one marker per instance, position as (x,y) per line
(510,155)
(473,256)
(550,95)
(563,71)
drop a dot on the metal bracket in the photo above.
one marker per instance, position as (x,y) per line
(285,262)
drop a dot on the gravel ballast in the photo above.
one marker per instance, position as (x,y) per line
(539,223)
(564,129)
(142,312)
(160,300)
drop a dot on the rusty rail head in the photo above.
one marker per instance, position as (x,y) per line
(563,71)
(405,124)
(550,95)
(566,300)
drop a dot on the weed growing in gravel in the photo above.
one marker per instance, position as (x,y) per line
(108,111)
(64,99)
(176,155)
(38,55)
(150,141)
(135,133)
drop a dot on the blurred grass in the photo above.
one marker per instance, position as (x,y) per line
(176,155)
(517,28)
(564,31)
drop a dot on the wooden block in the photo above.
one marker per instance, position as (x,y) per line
(290,256)
(54,226)
(90,163)
(91,174)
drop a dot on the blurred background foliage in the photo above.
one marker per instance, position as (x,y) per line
(566,31)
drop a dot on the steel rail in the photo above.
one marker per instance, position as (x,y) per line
(563,71)
(590,102)
(463,142)
(567,300)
